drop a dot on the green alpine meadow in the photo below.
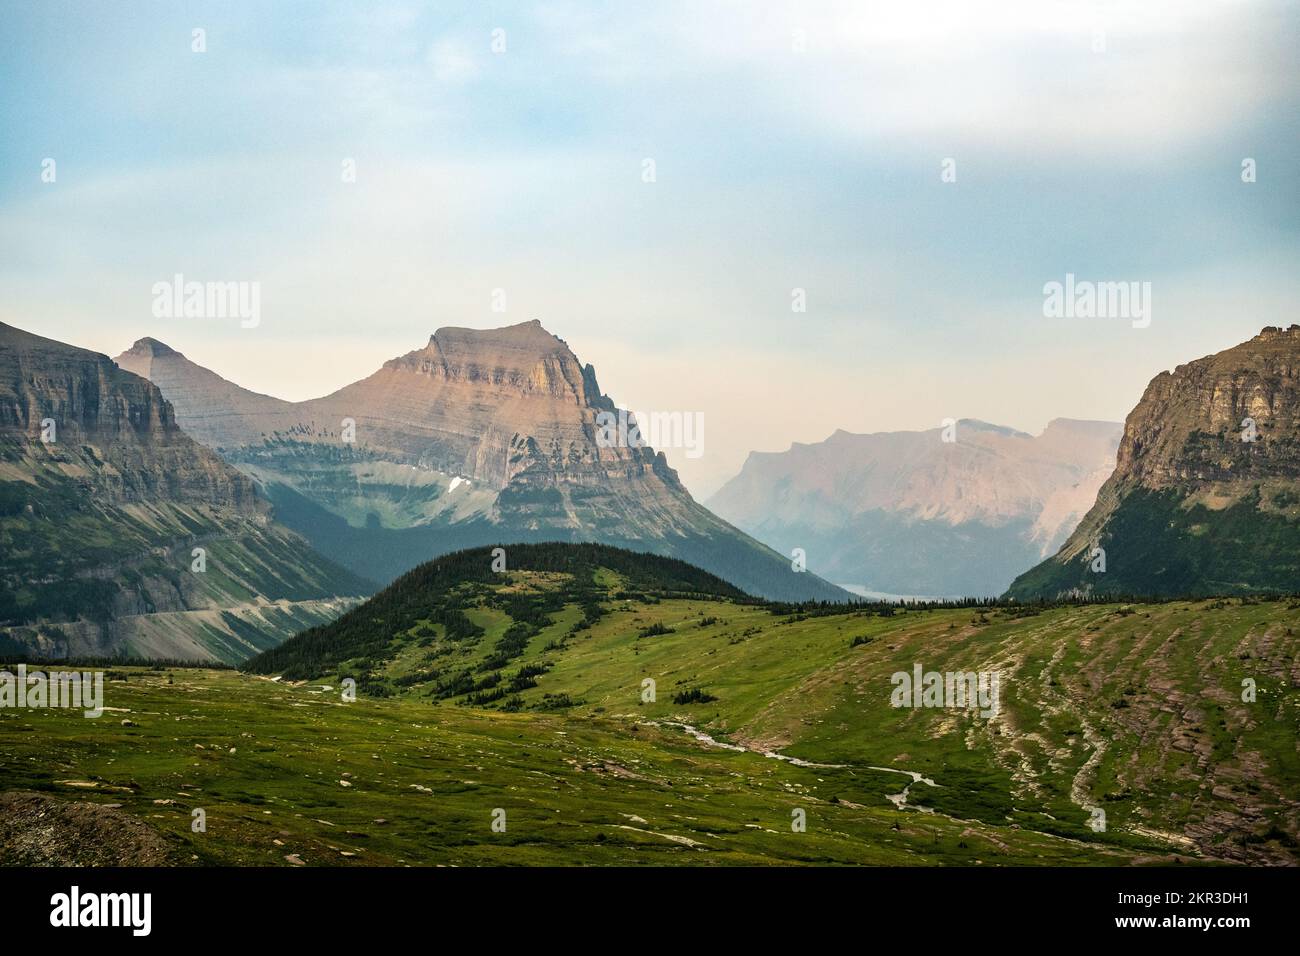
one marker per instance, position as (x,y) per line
(580,704)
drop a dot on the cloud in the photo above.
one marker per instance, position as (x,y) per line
(1025,76)
(452,61)
(776,169)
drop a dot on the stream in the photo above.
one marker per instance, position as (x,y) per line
(899,800)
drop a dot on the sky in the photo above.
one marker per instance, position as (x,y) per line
(920,170)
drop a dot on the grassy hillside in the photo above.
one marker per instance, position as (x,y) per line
(290,775)
(81,575)
(449,596)
(1163,544)
(1131,710)
(527,691)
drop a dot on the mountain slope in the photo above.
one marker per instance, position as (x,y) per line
(402,783)
(453,591)
(1192,508)
(478,437)
(908,513)
(103,499)
(1133,712)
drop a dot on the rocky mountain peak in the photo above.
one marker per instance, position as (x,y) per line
(1187,429)
(1273,333)
(519,345)
(522,358)
(140,357)
(893,510)
(1203,499)
(480,435)
(152,347)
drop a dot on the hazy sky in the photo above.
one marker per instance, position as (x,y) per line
(795,145)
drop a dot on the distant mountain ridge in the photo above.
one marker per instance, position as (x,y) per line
(477,437)
(910,513)
(1205,498)
(103,499)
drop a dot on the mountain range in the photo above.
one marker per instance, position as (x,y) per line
(477,438)
(944,512)
(150,507)
(121,535)
(1205,497)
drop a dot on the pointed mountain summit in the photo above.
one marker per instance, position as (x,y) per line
(212,410)
(152,348)
(479,437)
(122,536)
(1205,498)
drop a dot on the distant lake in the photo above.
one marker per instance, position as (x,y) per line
(884,596)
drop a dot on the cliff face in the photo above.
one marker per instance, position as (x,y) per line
(103,499)
(479,437)
(495,406)
(488,406)
(906,512)
(112,430)
(1186,432)
(1206,489)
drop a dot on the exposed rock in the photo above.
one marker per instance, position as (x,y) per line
(113,431)
(37,830)
(479,437)
(123,535)
(1205,498)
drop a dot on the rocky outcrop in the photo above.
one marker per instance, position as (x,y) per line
(478,437)
(911,513)
(1187,431)
(111,430)
(37,829)
(1205,497)
(490,406)
(121,535)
